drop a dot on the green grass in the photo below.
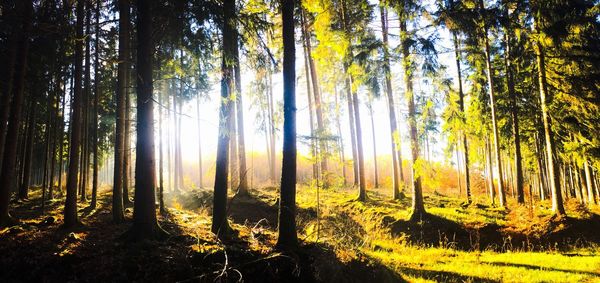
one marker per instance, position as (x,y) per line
(442,263)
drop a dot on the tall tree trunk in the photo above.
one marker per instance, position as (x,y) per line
(374,145)
(220,226)
(86,110)
(26,175)
(514,115)
(341,140)
(418,206)
(321,131)
(243,171)
(233,158)
(287,237)
(161,189)
(70,213)
(127,138)
(394,134)
(124,57)
(175,145)
(13,44)
(272,127)
(490,171)
(145,225)
(313,148)
(490,79)
(200,171)
(362,191)
(461,105)
(588,182)
(352,131)
(553,177)
(95,109)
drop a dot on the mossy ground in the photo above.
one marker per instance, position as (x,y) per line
(342,241)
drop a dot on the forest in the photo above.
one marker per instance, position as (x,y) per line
(299,141)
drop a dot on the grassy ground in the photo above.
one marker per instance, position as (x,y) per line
(343,241)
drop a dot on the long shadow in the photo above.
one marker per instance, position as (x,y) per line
(443,276)
(541,268)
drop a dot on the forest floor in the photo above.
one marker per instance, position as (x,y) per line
(342,241)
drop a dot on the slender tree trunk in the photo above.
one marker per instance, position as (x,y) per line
(95,109)
(243,180)
(362,192)
(461,104)
(127,138)
(70,213)
(490,79)
(233,158)
(490,171)
(352,131)
(310,98)
(200,171)
(588,182)
(272,127)
(394,134)
(418,206)
(26,178)
(175,146)
(287,237)
(321,131)
(161,201)
(514,115)
(341,140)
(220,225)
(145,225)
(553,177)
(374,145)
(124,53)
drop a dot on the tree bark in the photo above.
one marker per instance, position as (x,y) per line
(25,180)
(374,145)
(220,225)
(394,134)
(145,225)
(70,213)
(287,237)
(243,171)
(418,207)
(124,53)
(554,179)
(362,191)
(490,79)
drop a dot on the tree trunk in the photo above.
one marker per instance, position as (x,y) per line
(514,115)
(553,177)
(588,182)
(243,171)
(490,171)
(352,131)
(161,201)
(25,180)
(418,206)
(313,147)
(124,53)
(272,127)
(127,137)
(461,104)
(374,145)
(490,79)
(341,140)
(220,226)
(95,109)
(394,134)
(287,237)
(70,213)
(200,171)
(145,225)
(362,192)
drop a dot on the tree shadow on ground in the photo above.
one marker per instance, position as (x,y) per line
(442,276)
(541,268)
(564,234)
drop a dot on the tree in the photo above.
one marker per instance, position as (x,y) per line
(121,93)
(220,226)
(145,225)
(287,237)
(70,212)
